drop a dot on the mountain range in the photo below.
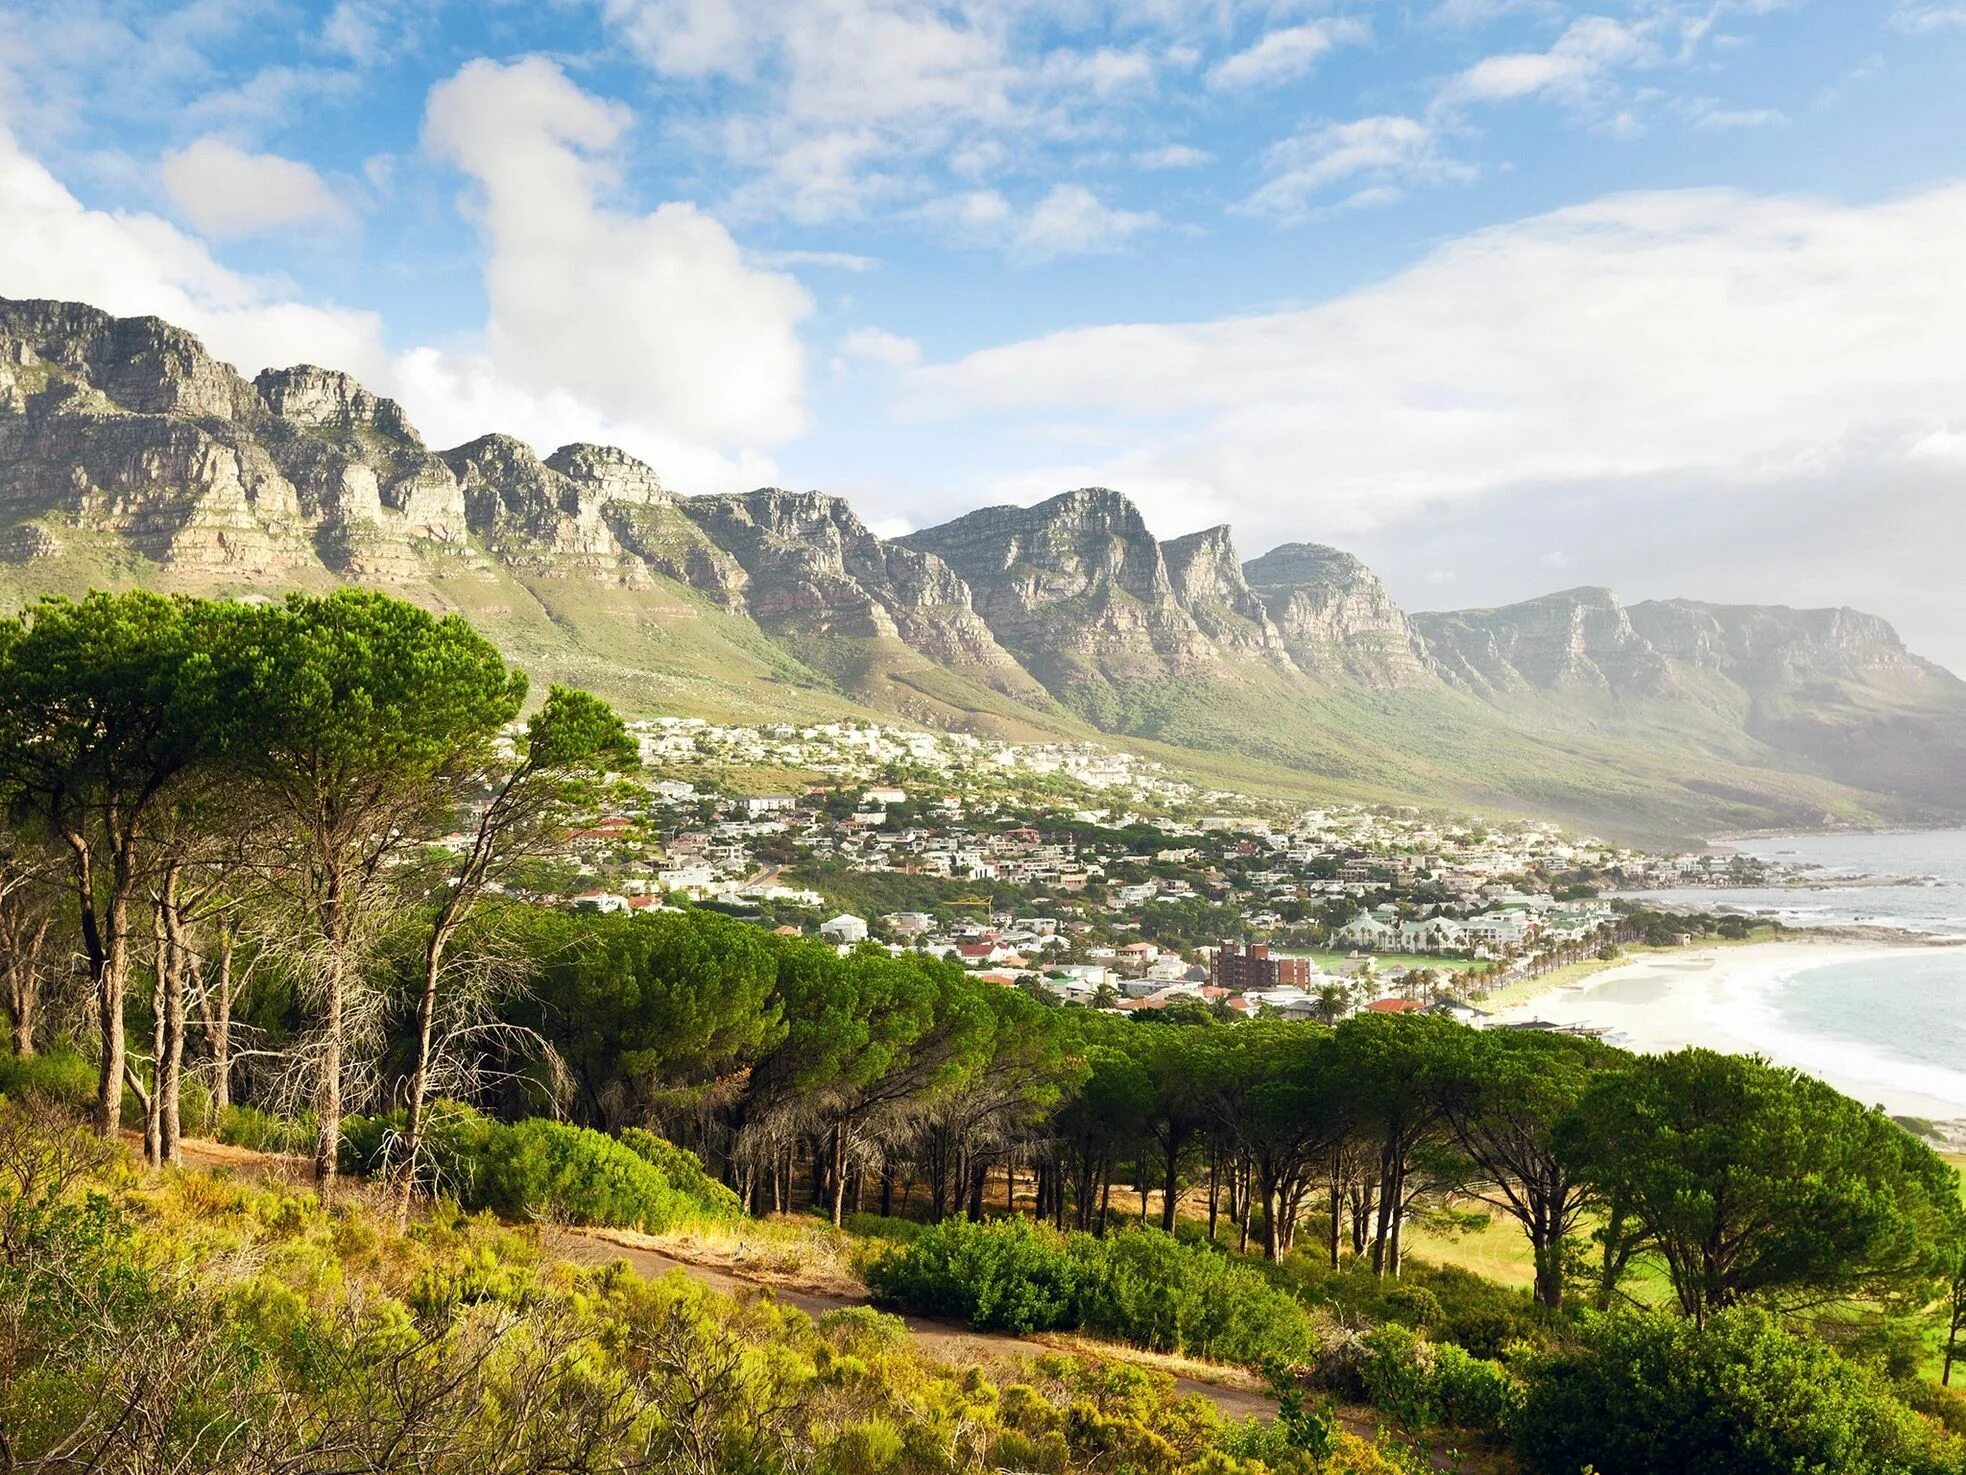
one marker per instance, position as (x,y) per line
(130,456)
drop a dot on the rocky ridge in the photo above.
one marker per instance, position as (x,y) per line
(127,430)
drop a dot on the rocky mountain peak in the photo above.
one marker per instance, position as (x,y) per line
(1205,566)
(142,365)
(1336,619)
(324,399)
(612,474)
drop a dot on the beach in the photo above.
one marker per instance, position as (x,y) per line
(1880,1021)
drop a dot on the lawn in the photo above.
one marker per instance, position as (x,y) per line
(1332,962)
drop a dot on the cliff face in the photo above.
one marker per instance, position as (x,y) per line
(1336,619)
(1075,587)
(1207,577)
(1580,641)
(1760,645)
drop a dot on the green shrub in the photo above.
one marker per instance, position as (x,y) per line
(1422,1383)
(1652,1392)
(260,1131)
(1138,1285)
(1143,1287)
(59,1075)
(540,1169)
(1446,1302)
(683,1168)
(1003,1276)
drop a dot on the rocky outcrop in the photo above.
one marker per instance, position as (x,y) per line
(323,399)
(142,365)
(814,570)
(1336,620)
(1075,587)
(609,475)
(1207,578)
(1763,645)
(1579,641)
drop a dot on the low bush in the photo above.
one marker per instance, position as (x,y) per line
(1446,1302)
(58,1075)
(1647,1392)
(1137,1285)
(1004,1276)
(1422,1383)
(1143,1287)
(261,1131)
(683,1168)
(540,1169)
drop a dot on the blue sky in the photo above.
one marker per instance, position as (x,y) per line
(1504,295)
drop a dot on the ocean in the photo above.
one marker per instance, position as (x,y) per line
(1885,1025)
(1935,860)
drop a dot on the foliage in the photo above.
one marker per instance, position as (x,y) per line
(1741,1397)
(1147,1288)
(1445,1302)
(1007,1276)
(540,1169)
(1755,1182)
(225,1327)
(261,1131)
(1137,1286)
(58,1075)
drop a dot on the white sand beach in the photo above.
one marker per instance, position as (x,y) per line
(1735,999)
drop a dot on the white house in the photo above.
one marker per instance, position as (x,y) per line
(845,928)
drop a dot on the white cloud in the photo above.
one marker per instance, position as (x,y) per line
(1385,152)
(1572,70)
(1708,336)
(1172,156)
(224,191)
(1285,54)
(839,109)
(654,318)
(1919,16)
(1467,14)
(132,263)
(1072,221)
(879,346)
(837,260)
(1708,114)
(127,264)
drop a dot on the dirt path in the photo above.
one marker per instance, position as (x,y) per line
(946,1341)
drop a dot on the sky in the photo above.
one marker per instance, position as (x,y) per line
(1504,296)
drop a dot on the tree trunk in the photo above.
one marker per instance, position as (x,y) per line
(327,1096)
(23,967)
(839,1174)
(419,1084)
(1170,1186)
(153,1107)
(106,942)
(218,1026)
(172,967)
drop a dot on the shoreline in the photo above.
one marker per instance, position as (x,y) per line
(1717,996)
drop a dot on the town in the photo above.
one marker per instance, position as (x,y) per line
(1098,879)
